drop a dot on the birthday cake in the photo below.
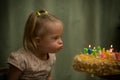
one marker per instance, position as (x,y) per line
(97,61)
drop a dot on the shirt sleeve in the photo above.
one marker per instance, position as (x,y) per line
(17,60)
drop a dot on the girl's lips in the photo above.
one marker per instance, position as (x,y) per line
(61,47)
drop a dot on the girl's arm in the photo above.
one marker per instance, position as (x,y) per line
(49,76)
(14,73)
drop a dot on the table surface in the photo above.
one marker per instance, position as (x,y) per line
(111,77)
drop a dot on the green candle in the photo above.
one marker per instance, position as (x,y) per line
(98,49)
(94,52)
(85,50)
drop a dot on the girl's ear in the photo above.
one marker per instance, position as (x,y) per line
(37,40)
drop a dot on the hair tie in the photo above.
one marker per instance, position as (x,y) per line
(41,12)
(38,13)
(46,12)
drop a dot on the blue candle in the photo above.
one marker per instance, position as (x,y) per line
(89,49)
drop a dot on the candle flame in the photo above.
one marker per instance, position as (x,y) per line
(111,46)
(89,46)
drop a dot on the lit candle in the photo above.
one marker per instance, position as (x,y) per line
(111,48)
(94,51)
(89,49)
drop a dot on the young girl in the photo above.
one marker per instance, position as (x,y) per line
(42,39)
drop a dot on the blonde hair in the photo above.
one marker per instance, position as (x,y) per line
(34,27)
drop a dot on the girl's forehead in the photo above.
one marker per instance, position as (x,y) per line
(54,28)
(53,25)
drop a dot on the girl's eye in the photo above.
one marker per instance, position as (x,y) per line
(55,38)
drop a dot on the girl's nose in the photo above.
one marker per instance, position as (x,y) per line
(60,41)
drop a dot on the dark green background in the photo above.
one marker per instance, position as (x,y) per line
(94,22)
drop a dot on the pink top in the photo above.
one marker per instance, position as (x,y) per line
(33,68)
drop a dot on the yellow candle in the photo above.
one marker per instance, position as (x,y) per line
(103,50)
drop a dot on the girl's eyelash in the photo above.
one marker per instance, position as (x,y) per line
(55,37)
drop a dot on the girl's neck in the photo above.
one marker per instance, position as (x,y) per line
(42,56)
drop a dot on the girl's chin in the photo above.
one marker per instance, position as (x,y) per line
(54,51)
(57,50)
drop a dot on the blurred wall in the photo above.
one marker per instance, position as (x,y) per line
(94,22)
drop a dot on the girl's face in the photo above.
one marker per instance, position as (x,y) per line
(51,42)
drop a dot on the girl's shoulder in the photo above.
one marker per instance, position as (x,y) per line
(19,53)
(18,58)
